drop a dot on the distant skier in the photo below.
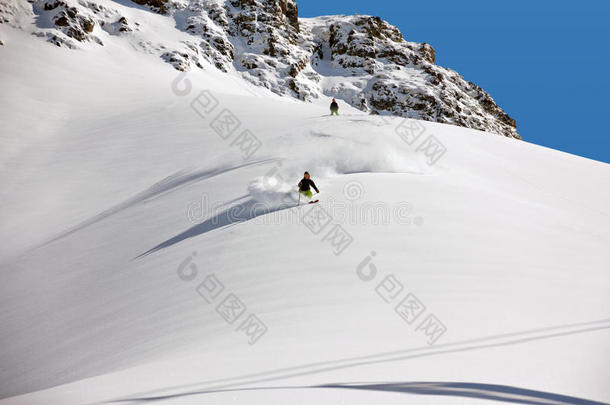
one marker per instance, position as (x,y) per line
(334,107)
(305,186)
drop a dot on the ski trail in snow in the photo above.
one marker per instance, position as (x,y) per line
(507,339)
(242,212)
(169,184)
(266,196)
(495,392)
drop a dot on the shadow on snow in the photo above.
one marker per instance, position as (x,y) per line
(242,212)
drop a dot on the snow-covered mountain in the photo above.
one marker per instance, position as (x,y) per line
(153,251)
(359,59)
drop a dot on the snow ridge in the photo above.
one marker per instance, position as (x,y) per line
(361,60)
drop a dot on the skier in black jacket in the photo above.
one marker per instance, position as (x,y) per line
(334,107)
(305,186)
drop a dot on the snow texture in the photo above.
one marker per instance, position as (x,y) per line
(442,265)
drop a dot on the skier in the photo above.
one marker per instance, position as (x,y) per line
(305,187)
(334,107)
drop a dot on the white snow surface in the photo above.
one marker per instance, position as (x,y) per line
(119,200)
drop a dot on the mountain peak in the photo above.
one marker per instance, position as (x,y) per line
(362,60)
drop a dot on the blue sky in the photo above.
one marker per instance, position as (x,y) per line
(547,64)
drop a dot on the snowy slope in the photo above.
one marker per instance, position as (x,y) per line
(113,186)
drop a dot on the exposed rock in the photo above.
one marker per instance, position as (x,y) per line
(158,6)
(58,39)
(123,25)
(70,19)
(118,27)
(399,77)
(184,60)
(427,53)
(366,60)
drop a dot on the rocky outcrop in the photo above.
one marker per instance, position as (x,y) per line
(69,20)
(66,23)
(158,6)
(362,60)
(120,26)
(384,74)
(400,77)
(266,33)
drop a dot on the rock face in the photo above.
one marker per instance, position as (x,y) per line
(157,6)
(69,20)
(399,77)
(361,60)
(65,23)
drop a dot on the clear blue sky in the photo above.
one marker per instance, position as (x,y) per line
(546,63)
